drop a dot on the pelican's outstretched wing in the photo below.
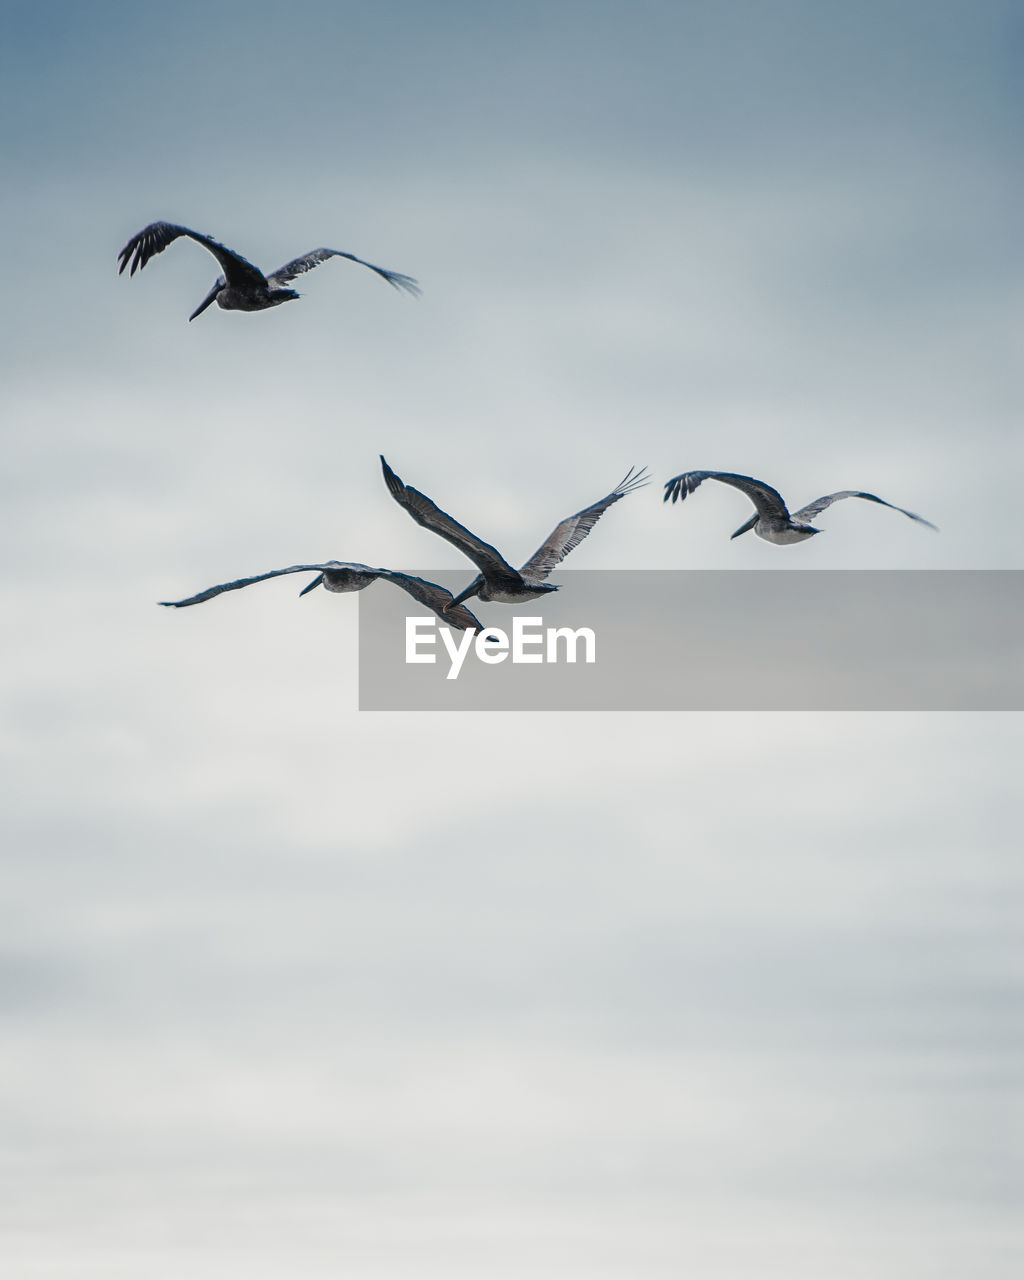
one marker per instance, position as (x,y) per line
(434,597)
(210,592)
(487,559)
(573,529)
(768,501)
(351,577)
(155,238)
(815,508)
(313,259)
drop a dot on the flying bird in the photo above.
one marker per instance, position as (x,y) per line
(336,575)
(771,519)
(242,287)
(498,580)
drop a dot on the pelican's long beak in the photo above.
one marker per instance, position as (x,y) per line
(315,583)
(745,528)
(205,302)
(471,590)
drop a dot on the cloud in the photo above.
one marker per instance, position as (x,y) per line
(566,995)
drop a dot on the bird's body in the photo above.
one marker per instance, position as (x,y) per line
(497,580)
(339,576)
(516,595)
(772,520)
(242,287)
(231,299)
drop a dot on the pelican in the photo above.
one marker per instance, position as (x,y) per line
(771,519)
(498,580)
(242,287)
(336,575)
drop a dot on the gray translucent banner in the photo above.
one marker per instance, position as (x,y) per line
(682,640)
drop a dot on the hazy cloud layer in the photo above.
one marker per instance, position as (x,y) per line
(290,989)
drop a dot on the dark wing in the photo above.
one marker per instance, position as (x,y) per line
(155,238)
(210,592)
(489,561)
(767,500)
(434,597)
(313,259)
(815,508)
(573,529)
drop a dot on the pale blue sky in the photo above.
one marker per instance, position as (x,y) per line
(289,989)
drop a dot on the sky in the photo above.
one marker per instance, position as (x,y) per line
(293,989)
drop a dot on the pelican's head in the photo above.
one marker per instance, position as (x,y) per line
(218,284)
(745,528)
(472,590)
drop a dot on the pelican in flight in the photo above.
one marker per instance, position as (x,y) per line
(242,287)
(497,579)
(771,519)
(338,576)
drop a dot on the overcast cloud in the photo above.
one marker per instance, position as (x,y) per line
(290,990)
